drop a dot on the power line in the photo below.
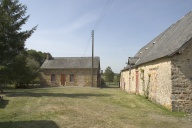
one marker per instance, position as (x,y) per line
(87,45)
(103,13)
(100,19)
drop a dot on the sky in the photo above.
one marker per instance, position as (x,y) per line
(64,26)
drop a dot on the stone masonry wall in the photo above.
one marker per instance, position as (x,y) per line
(155,81)
(127,82)
(124,82)
(82,77)
(132,81)
(166,81)
(182,81)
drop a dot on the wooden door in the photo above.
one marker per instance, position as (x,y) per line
(63,79)
(137,82)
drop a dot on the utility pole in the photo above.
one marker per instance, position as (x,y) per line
(92,69)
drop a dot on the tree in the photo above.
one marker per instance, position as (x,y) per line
(117,78)
(12,39)
(19,70)
(26,68)
(37,55)
(109,74)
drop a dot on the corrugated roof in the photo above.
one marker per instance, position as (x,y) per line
(71,63)
(168,42)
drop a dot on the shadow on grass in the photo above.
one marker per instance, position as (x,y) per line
(29,124)
(110,86)
(3,103)
(75,95)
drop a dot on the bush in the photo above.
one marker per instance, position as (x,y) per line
(102,82)
(21,86)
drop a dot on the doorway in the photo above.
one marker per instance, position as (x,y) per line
(63,79)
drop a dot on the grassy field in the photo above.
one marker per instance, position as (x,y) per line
(78,107)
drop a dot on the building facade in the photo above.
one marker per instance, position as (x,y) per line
(162,70)
(71,71)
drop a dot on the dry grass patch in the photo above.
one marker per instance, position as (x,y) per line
(72,107)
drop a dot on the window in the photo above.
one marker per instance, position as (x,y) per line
(52,77)
(72,78)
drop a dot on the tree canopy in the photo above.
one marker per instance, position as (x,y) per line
(37,56)
(109,74)
(13,56)
(117,78)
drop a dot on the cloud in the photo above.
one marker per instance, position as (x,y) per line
(81,22)
(73,25)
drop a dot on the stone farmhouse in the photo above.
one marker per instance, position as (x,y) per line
(162,69)
(70,71)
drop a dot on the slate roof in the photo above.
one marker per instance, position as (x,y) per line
(126,68)
(71,63)
(169,42)
(133,60)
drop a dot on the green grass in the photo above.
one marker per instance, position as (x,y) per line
(76,107)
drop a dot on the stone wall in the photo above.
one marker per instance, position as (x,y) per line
(82,77)
(132,80)
(124,81)
(166,81)
(182,80)
(127,82)
(154,81)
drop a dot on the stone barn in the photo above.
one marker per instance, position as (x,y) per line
(70,71)
(162,69)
